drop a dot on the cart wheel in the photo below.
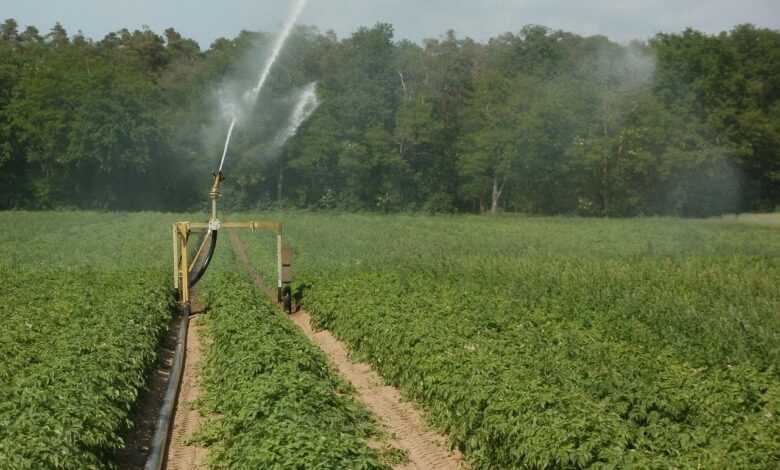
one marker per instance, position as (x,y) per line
(287,300)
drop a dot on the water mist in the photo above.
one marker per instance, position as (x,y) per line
(306,105)
(250,97)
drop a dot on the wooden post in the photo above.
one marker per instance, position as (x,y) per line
(279,265)
(287,255)
(184,266)
(175,257)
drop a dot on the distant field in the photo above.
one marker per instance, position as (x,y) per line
(758,219)
(534,342)
(545,342)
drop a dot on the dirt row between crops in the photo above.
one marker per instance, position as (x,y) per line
(183,455)
(426,450)
(139,441)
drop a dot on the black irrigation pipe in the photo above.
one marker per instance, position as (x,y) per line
(204,261)
(163,428)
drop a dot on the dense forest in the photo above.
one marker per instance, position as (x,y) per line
(538,121)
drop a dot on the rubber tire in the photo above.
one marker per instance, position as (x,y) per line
(287,300)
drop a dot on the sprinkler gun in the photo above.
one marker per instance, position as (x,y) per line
(202,258)
(214,223)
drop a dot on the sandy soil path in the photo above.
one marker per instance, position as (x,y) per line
(181,455)
(427,450)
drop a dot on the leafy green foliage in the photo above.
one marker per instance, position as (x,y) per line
(549,343)
(272,398)
(86,299)
(85,302)
(535,121)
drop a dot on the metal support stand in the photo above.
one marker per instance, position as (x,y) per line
(183,276)
(182,265)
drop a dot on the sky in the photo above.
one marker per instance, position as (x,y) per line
(204,21)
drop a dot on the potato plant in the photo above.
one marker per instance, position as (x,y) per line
(274,403)
(561,343)
(85,300)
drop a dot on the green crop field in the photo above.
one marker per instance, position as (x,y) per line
(277,404)
(555,342)
(85,300)
(515,246)
(533,342)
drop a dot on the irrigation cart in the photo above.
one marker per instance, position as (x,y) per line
(189,269)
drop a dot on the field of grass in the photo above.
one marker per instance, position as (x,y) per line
(555,342)
(534,342)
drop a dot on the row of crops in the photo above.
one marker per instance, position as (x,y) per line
(561,342)
(532,342)
(85,300)
(272,399)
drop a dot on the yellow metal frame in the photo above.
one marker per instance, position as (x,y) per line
(181,232)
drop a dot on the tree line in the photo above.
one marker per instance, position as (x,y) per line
(538,121)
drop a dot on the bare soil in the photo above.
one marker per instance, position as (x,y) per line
(426,449)
(182,455)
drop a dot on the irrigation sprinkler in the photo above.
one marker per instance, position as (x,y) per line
(188,270)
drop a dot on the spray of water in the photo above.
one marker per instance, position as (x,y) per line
(280,41)
(227,142)
(306,105)
(232,111)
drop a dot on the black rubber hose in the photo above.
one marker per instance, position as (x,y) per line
(199,271)
(163,427)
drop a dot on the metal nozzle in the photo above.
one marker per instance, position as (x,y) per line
(214,193)
(218,179)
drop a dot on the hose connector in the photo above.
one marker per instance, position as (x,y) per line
(218,179)
(214,194)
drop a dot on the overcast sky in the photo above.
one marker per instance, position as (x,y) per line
(204,20)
